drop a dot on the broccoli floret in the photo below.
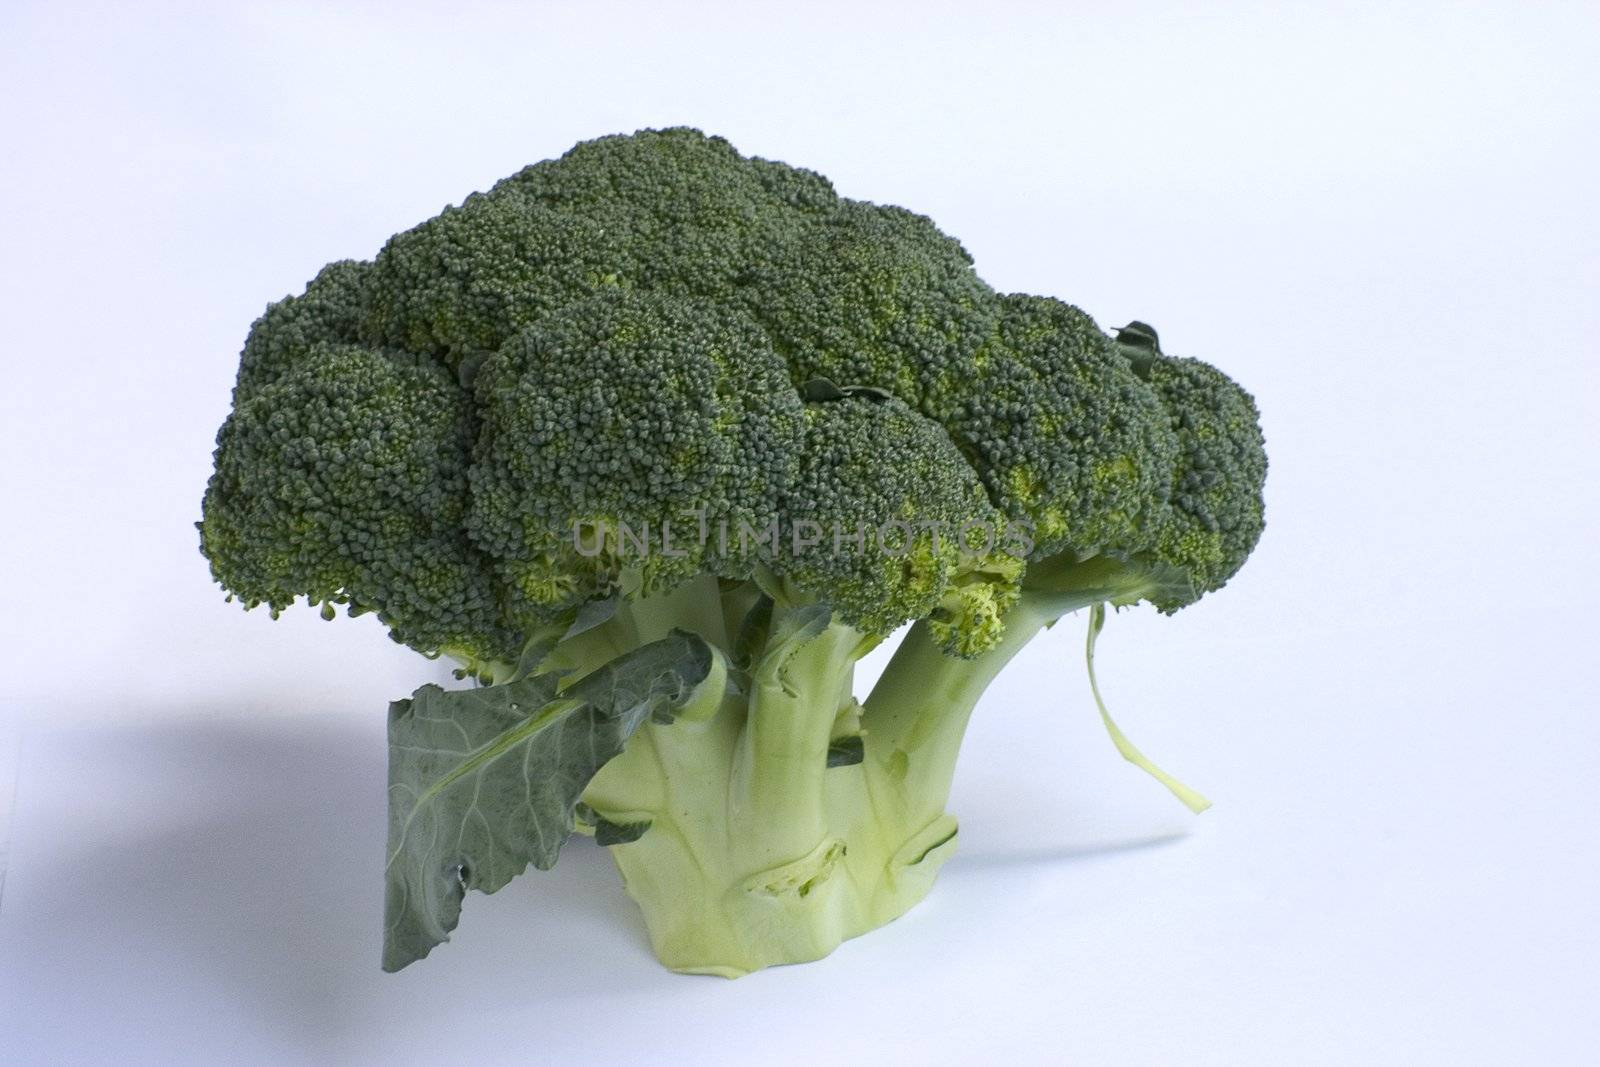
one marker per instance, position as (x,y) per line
(462,284)
(1215,517)
(1065,435)
(330,311)
(656,441)
(669,211)
(882,543)
(630,428)
(872,296)
(1211,517)
(343,479)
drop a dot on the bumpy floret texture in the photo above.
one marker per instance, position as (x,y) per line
(652,420)
(872,296)
(629,333)
(1215,517)
(328,312)
(344,479)
(1064,433)
(890,533)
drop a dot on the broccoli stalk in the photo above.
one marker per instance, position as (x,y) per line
(791,818)
(762,848)
(759,814)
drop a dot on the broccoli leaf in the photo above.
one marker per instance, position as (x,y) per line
(594,613)
(794,630)
(753,633)
(846,751)
(821,390)
(483,782)
(607,832)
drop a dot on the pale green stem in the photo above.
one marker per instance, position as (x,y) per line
(917,715)
(1191,798)
(695,605)
(783,751)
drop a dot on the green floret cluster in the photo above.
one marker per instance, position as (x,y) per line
(623,412)
(1064,433)
(1210,526)
(655,441)
(346,471)
(890,533)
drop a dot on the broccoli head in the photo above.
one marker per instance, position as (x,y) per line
(657,434)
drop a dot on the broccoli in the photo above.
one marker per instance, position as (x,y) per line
(655,442)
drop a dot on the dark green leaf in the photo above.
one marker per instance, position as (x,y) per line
(821,390)
(752,637)
(846,751)
(467,370)
(607,832)
(592,614)
(483,782)
(535,652)
(1140,343)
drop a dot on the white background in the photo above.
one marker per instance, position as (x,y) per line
(1380,217)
